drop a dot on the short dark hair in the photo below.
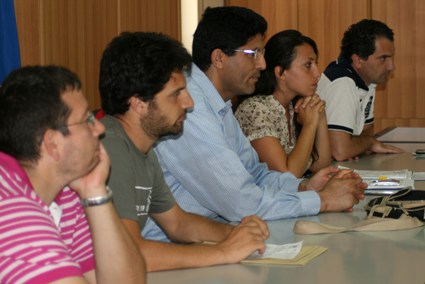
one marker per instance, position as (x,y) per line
(31,103)
(138,64)
(280,51)
(226,28)
(360,38)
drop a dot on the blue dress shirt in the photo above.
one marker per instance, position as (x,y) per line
(213,171)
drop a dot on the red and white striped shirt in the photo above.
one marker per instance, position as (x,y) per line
(33,249)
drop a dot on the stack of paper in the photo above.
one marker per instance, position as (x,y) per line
(418,176)
(398,174)
(386,182)
(288,254)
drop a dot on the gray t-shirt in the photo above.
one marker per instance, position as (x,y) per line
(136,179)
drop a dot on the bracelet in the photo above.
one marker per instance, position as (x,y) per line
(99,200)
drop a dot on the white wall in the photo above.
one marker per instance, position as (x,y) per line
(191,12)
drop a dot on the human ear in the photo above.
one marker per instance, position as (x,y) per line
(279,72)
(218,58)
(51,143)
(138,105)
(357,61)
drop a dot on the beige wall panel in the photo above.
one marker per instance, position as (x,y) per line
(383,123)
(403,98)
(323,20)
(153,16)
(251,4)
(74,33)
(419,27)
(280,14)
(203,4)
(27,15)
(100,27)
(326,20)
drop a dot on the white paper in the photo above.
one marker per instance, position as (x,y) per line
(402,183)
(377,180)
(419,175)
(286,251)
(397,174)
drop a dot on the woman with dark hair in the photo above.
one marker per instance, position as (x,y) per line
(285,120)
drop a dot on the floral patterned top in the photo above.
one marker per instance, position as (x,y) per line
(262,116)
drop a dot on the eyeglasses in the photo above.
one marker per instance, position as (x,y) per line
(90,120)
(255,53)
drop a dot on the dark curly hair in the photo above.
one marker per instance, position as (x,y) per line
(226,28)
(138,64)
(31,103)
(360,38)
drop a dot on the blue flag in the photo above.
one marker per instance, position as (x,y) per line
(10,58)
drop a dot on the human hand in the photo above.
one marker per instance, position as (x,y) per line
(255,220)
(342,192)
(319,180)
(322,109)
(310,109)
(94,182)
(309,101)
(379,147)
(244,239)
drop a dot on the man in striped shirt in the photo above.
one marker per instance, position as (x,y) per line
(49,143)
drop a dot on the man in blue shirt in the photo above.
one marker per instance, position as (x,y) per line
(211,168)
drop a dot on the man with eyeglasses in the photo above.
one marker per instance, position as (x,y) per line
(255,53)
(211,168)
(57,221)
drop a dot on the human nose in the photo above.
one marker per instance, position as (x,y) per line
(260,62)
(390,64)
(186,100)
(316,71)
(98,128)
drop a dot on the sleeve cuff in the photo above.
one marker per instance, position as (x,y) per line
(310,202)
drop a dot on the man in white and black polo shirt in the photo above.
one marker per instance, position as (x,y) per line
(348,87)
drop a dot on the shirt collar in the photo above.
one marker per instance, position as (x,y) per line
(210,92)
(342,61)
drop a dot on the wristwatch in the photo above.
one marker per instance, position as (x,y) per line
(98,200)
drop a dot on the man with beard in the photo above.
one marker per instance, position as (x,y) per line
(144,95)
(57,221)
(348,87)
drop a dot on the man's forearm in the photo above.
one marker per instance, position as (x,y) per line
(344,148)
(196,228)
(241,241)
(166,256)
(118,259)
(361,143)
